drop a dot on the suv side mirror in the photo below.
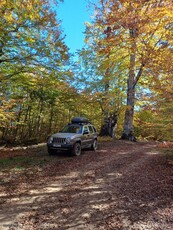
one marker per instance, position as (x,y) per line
(85,132)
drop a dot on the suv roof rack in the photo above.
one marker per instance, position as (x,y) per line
(79,120)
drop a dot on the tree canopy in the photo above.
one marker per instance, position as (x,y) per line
(122,75)
(135,38)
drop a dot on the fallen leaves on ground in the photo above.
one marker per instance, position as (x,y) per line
(122,185)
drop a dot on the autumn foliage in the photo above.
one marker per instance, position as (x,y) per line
(125,69)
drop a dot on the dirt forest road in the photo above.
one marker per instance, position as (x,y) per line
(121,186)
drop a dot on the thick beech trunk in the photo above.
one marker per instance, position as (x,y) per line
(128,120)
(109,126)
(131,83)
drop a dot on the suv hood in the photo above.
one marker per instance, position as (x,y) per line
(65,135)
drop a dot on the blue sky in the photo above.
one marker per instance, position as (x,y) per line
(73,13)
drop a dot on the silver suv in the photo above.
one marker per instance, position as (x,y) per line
(77,135)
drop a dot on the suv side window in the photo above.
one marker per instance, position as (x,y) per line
(94,129)
(90,129)
(85,129)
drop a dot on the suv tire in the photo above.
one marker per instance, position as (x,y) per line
(94,145)
(76,151)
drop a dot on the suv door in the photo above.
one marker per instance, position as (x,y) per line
(91,134)
(86,137)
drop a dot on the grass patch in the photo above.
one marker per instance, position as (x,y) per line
(168,154)
(22,162)
(105,139)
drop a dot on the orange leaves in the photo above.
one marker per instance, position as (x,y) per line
(166,144)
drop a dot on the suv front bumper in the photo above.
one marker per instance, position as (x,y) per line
(60,146)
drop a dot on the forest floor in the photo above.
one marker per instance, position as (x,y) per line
(121,186)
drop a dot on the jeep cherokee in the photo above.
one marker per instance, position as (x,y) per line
(77,135)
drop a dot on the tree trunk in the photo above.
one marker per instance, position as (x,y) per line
(128,120)
(50,119)
(109,126)
(110,120)
(131,82)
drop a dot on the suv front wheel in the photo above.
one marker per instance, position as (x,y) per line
(76,151)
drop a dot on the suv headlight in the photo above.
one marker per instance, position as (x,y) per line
(50,140)
(68,140)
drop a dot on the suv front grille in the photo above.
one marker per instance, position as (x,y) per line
(59,140)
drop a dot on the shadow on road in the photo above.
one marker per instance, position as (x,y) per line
(114,188)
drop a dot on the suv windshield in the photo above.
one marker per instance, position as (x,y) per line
(72,129)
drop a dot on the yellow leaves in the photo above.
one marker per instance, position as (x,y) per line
(27,5)
(30,40)
(9,17)
(2,115)
(5,114)
(157,16)
(88,24)
(2,3)
(15,12)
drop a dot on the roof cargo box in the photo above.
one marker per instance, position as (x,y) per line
(79,120)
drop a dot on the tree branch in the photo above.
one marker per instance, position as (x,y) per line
(138,75)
